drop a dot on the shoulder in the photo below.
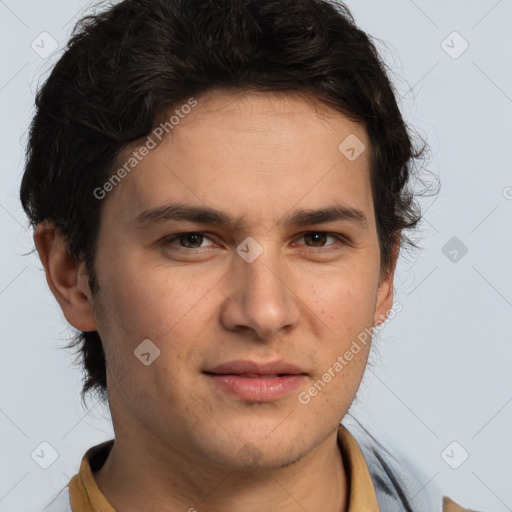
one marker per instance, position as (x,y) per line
(395,482)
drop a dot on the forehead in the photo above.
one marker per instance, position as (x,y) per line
(251,155)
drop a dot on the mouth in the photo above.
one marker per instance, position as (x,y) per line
(256,382)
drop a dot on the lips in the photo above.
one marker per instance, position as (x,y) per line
(251,368)
(256,382)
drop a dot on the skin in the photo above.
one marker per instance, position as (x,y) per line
(257,157)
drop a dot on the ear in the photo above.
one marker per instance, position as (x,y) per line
(385,294)
(65,277)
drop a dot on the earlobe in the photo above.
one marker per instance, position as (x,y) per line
(65,277)
(384,300)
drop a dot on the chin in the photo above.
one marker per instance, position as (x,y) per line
(259,447)
(252,458)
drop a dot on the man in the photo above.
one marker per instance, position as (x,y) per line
(219,191)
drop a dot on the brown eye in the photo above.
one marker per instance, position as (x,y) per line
(186,241)
(191,240)
(317,238)
(320,239)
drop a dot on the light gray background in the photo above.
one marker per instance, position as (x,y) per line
(442,371)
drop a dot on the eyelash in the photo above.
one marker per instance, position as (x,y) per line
(169,240)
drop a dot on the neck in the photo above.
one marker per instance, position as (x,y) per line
(151,476)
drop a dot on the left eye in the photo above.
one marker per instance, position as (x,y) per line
(319,238)
(187,240)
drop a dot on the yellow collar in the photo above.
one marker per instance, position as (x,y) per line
(362,496)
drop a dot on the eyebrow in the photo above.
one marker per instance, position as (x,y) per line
(212,216)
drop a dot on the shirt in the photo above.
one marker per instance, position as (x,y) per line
(368,491)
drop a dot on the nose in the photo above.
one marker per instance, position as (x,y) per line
(262,300)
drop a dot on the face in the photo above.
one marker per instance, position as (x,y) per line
(244,247)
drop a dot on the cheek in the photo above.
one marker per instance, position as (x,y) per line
(345,304)
(139,302)
(345,301)
(148,301)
